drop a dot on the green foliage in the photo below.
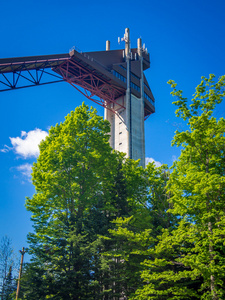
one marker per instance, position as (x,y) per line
(73,177)
(135,235)
(81,187)
(188,263)
(10,285)
(158,197)
(8,269)
(105,228)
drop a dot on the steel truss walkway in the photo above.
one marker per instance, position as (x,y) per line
(96,81)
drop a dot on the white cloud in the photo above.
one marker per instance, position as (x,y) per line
(27,144)
(150,160)
(5,149)
(23,133)
(25,170)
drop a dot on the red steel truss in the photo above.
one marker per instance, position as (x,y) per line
(91,84)
(32,71)
(91,78)
(22,72)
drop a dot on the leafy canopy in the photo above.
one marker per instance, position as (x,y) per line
(188,262)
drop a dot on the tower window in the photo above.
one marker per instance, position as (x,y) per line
(134,86)
(118,75)
(149,99)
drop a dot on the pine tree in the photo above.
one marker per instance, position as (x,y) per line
(136,233)
(10,286)
(7,265)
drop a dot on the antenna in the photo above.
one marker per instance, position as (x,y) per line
(126,39)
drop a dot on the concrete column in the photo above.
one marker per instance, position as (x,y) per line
(127,126)
(139,47)
(128,94)
(106,113)
(107,45)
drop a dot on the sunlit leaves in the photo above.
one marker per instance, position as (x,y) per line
(188,262)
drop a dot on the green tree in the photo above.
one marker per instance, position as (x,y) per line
(7,268)
(137,233)
(124,270)
(35,281)
(72,177)
(158,196)
(10,286)
(82,185)
(190,261)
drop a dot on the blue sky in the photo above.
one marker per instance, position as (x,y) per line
(185,40)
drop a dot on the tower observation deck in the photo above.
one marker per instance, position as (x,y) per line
(113,78)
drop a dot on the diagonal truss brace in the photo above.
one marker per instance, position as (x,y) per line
(90,84)
(24,77)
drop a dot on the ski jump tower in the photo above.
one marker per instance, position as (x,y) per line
(113,78)
(127,123)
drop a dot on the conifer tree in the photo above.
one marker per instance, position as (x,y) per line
(135,234)
(7,266)
(10,286)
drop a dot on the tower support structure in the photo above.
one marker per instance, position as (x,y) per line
(127,123)
(113,79)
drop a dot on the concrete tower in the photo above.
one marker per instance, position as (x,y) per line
(127,123)
(113,78)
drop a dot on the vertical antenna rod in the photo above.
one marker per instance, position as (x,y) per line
(140,56)
(126,38)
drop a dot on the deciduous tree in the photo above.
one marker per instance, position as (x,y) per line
(82,185)
(189,261)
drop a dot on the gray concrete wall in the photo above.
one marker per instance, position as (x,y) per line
(137,121)
(119,139)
